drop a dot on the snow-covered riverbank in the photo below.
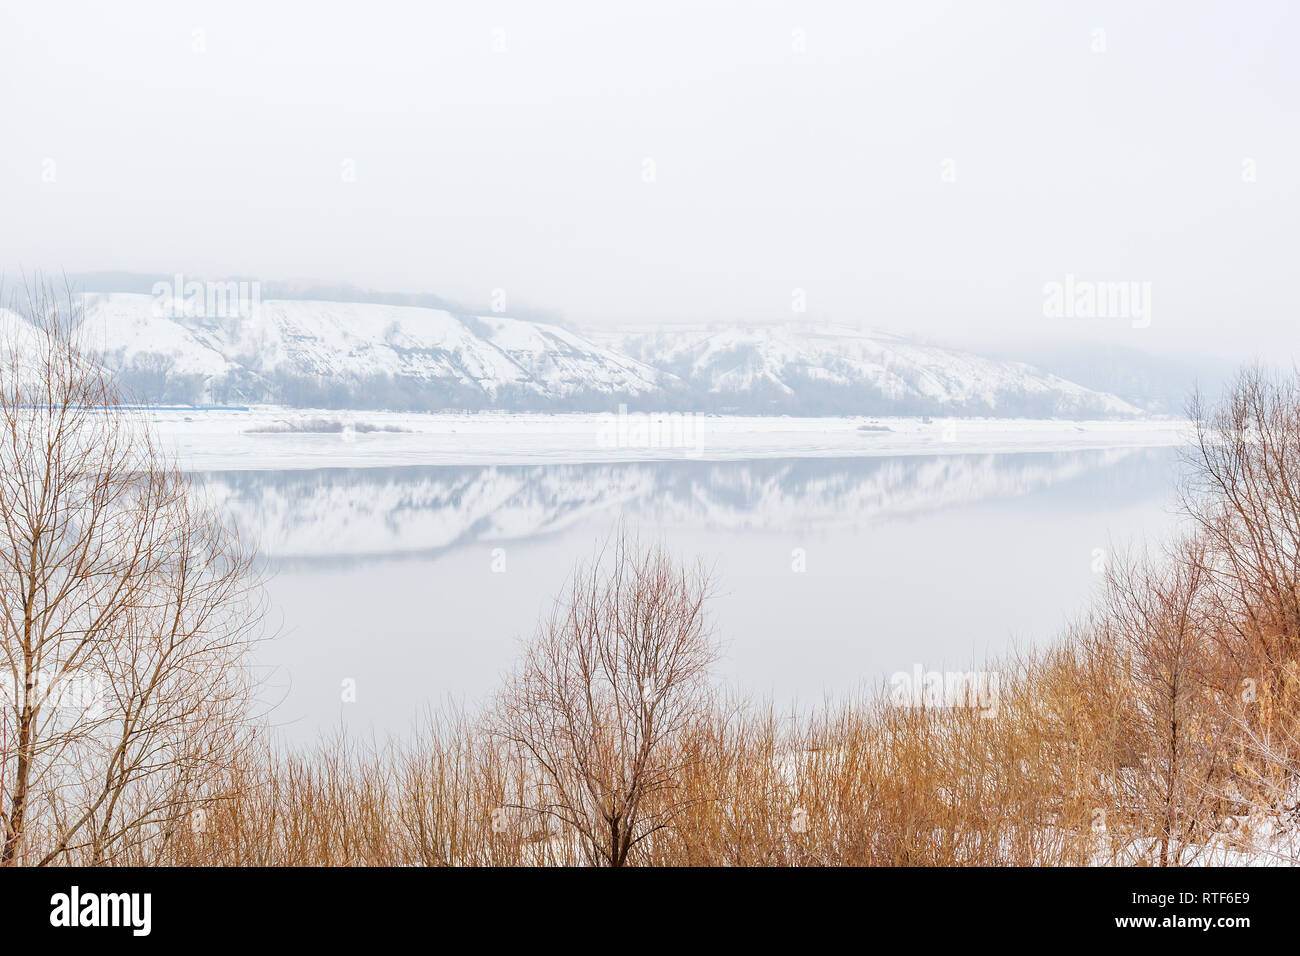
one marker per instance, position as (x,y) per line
(265,437)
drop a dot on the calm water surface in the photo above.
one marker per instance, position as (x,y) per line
(418,582)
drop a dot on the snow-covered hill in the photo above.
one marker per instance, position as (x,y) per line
(366,355)
(349,354)
(821,369)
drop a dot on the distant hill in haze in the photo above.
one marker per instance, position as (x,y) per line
(370,355)
(313,345)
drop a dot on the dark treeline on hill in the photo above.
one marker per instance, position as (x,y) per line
(148,380)
(302,289)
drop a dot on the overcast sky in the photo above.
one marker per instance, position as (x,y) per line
(914,166)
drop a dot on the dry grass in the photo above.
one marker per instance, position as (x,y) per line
(1061,774)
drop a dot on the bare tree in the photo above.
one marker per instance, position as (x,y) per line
(150,373)
(1243,492)
(127,610)
(604,701)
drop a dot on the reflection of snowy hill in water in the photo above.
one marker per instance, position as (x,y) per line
(350,513)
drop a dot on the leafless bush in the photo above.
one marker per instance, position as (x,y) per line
(1243,491)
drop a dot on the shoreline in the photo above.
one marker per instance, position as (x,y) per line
(277,438)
